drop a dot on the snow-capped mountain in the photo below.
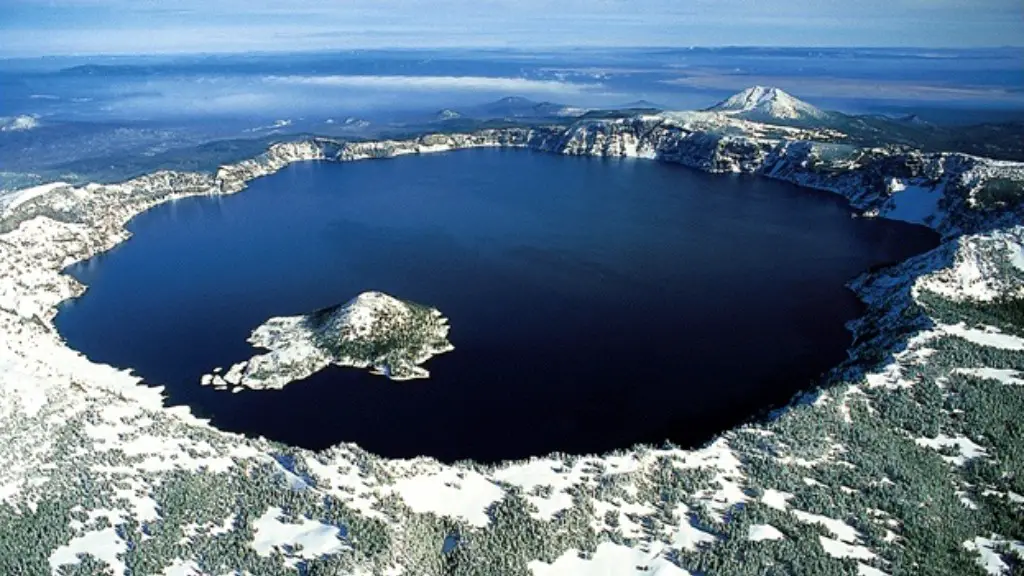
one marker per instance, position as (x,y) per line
(768,104)
(448,114)
(18,123)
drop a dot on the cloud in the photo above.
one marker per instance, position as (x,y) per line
(433,83)
(268,96)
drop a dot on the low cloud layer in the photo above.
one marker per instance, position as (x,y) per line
(434,83)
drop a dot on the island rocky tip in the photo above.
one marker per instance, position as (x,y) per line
(392,337)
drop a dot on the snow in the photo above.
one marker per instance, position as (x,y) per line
(988,558)
(841,530)
(729,477)
(985,337)
(979,267)
(839,549)
(104,545)
(1012,496)
(542,472)
(182,568)
(865,570)
(688,536)
(914,203)
(967,448)
(445,494)
(762,102)
(342,477)
(1017,256)
(1002,375)
(776,499)
(297,349)
(431,149)
(19,197)
(759,532)
(609,560)
(190,531)
(316,538)
(628,527)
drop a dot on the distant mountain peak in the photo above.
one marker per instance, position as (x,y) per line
(448,114)
(641,104)
(913,119)
(515,100)
(18,123)
(768,103)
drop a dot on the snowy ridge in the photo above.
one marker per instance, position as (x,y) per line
(10,201)
(96,458)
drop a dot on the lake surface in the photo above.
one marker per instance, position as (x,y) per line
(594,303)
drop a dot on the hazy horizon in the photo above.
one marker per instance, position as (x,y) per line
(511,50)
(34,28)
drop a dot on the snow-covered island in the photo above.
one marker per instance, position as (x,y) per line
(392,337)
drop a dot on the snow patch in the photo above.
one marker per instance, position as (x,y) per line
(987,336)
(1001,375)
(865,570)
(967,448)
(988,558)
(104,545)
(445,493)
(759,532)
(914,203)
(840,549)
(182,568)
(610,560)
(776,499)
(841,530)
(19,197)
(315,538)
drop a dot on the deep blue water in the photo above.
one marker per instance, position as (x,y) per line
(594,303)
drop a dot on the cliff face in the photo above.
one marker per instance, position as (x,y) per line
(944,191)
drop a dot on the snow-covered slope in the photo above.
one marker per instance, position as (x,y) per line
(767,104)
(901,464)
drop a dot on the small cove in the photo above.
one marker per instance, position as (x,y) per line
(594,303)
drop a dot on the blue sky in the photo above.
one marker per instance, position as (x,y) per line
(45,27)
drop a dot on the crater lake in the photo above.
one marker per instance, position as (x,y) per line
(594,303)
